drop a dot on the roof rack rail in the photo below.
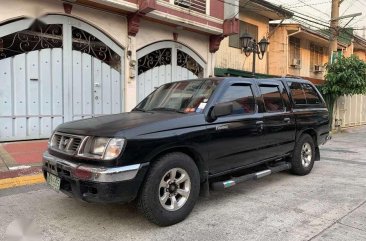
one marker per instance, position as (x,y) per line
(292,77)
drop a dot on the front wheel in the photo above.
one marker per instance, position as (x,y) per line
(170,190)
(303,156)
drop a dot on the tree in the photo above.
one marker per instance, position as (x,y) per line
(346,76)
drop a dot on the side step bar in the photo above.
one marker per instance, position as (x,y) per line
(252,176)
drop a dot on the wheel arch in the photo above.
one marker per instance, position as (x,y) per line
(311,132)
(191,152)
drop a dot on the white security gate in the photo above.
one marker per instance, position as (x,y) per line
(54,71)
(164,62)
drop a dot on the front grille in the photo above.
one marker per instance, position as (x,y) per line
(66,143)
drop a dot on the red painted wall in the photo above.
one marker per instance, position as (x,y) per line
(217,9)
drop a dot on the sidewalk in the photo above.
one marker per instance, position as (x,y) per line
(20,163)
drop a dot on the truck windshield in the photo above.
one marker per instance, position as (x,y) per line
(184,96)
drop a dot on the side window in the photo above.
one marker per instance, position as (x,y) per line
(297,93)
(272,98)
(242,98)
(312,97)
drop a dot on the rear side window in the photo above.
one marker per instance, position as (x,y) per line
(312,97)
(297,93)
(241,97)
(272,98)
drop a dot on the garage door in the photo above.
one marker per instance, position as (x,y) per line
(164,62)
(53,71)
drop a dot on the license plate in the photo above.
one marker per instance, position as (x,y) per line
(53,181)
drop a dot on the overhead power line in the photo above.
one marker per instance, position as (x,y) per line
(305,19)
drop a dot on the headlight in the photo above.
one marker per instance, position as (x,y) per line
(98,146)
(103,148)
(114,148)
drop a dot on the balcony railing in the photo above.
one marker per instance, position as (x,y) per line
(195,5)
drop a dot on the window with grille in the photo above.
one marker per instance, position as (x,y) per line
(195,5)
(234,40)
(316,55)
(294,52)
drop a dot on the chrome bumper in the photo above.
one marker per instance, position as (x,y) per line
(55,165)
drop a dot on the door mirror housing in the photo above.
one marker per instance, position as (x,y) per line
(222,109)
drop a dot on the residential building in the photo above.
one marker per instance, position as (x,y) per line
(254,17)
(67,60)
(359,47)
(299,51)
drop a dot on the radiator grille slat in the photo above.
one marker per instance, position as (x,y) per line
(66,143)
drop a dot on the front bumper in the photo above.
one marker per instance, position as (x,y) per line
(94,183)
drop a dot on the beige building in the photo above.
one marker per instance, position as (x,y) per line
(254,17)
(299,51)
(302,52)
(359,47)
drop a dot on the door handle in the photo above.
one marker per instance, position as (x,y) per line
(287,120)
(260,126)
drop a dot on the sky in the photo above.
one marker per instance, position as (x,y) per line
(321,9)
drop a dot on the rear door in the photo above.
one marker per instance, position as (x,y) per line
(309,109)
(235,139)
(279,126)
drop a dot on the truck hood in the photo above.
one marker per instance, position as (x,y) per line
(115,125)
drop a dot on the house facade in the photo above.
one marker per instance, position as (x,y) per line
(299,51)
(254,17)
(67,60)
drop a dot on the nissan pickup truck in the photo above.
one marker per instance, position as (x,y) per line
(186,138)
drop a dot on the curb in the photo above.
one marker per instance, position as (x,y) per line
(21,181)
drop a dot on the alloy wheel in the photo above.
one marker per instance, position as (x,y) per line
(174,189)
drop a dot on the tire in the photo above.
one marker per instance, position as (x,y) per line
(153,201)
(303,156)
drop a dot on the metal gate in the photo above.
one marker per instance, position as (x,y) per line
(164,62)
(53,71)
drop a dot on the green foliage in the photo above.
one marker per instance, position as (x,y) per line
(347,76)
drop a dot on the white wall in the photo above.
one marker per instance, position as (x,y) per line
(111,24)
(151,32)
(114,26)
(350,110)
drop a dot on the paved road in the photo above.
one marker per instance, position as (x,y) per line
(328,204)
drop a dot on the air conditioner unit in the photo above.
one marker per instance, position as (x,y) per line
(183,3)
(318,68)
(296,63)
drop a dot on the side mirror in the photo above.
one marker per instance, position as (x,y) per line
(222,109)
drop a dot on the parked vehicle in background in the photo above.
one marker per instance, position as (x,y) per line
(186,136)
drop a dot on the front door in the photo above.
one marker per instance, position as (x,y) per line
(236,139)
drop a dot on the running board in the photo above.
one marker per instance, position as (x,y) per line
(252,176)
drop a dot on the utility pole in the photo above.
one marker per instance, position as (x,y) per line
(334,26)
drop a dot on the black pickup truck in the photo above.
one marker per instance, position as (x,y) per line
(187,137)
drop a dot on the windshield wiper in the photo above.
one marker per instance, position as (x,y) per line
(167,109)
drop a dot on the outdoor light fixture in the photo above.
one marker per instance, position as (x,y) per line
(250,45)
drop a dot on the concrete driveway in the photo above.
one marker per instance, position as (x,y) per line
(328,204)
